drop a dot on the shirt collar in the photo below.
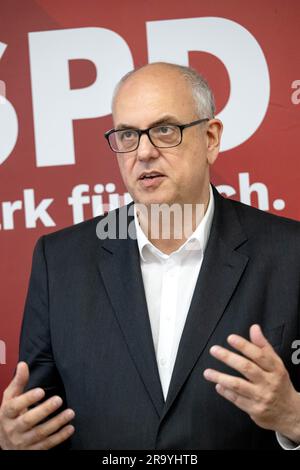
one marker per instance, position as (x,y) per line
(197,241)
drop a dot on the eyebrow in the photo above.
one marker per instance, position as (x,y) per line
(167,119)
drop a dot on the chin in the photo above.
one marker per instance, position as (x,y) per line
(155,199)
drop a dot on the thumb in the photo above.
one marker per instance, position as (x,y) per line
(257,337)
(20,380)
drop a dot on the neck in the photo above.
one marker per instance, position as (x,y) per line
(169,226)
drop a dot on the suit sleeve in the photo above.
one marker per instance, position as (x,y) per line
(35,339)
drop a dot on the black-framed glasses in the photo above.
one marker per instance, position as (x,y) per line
(161,136)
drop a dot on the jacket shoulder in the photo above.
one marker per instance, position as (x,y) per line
(255,218)
(268,234)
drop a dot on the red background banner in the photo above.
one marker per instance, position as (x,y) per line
(50,112)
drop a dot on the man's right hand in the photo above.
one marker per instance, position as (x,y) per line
(22,428)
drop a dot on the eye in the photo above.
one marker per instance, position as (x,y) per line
(127,134)
(164,130)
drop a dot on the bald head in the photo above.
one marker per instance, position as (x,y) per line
(187,77)
(160,98)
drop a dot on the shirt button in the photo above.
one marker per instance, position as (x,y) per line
(163,361)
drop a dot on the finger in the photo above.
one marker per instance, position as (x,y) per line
(257,337)
(41,432)
(264,357)
(247,368)
(33,417)
(241,402)
(55,439)
(15,406)
(17,385)
(235,384)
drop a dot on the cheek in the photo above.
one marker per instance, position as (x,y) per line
(126,168)
(194,167)
(199,156)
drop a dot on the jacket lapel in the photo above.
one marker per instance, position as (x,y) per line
(220,272)
(222,267)
(119,267)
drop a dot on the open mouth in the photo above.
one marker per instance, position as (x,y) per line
(148,176)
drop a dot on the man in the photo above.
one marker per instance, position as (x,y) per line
(132,335)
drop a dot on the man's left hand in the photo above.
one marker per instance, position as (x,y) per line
(266,393)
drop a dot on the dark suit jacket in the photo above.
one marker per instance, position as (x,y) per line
(86,332)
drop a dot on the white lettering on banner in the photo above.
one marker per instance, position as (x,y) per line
(2,352)
(246,191)
(237,48)
(78,200)
(103,198)
(55,105)
(8,122)
(32,212)
(8,210)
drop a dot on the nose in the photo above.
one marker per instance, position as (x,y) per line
(146,149)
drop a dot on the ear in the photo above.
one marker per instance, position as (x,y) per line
(213,133)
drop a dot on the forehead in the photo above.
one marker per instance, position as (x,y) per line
(147,96)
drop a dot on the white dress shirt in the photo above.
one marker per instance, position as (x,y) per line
(169,282)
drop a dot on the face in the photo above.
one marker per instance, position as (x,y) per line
(159,95)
